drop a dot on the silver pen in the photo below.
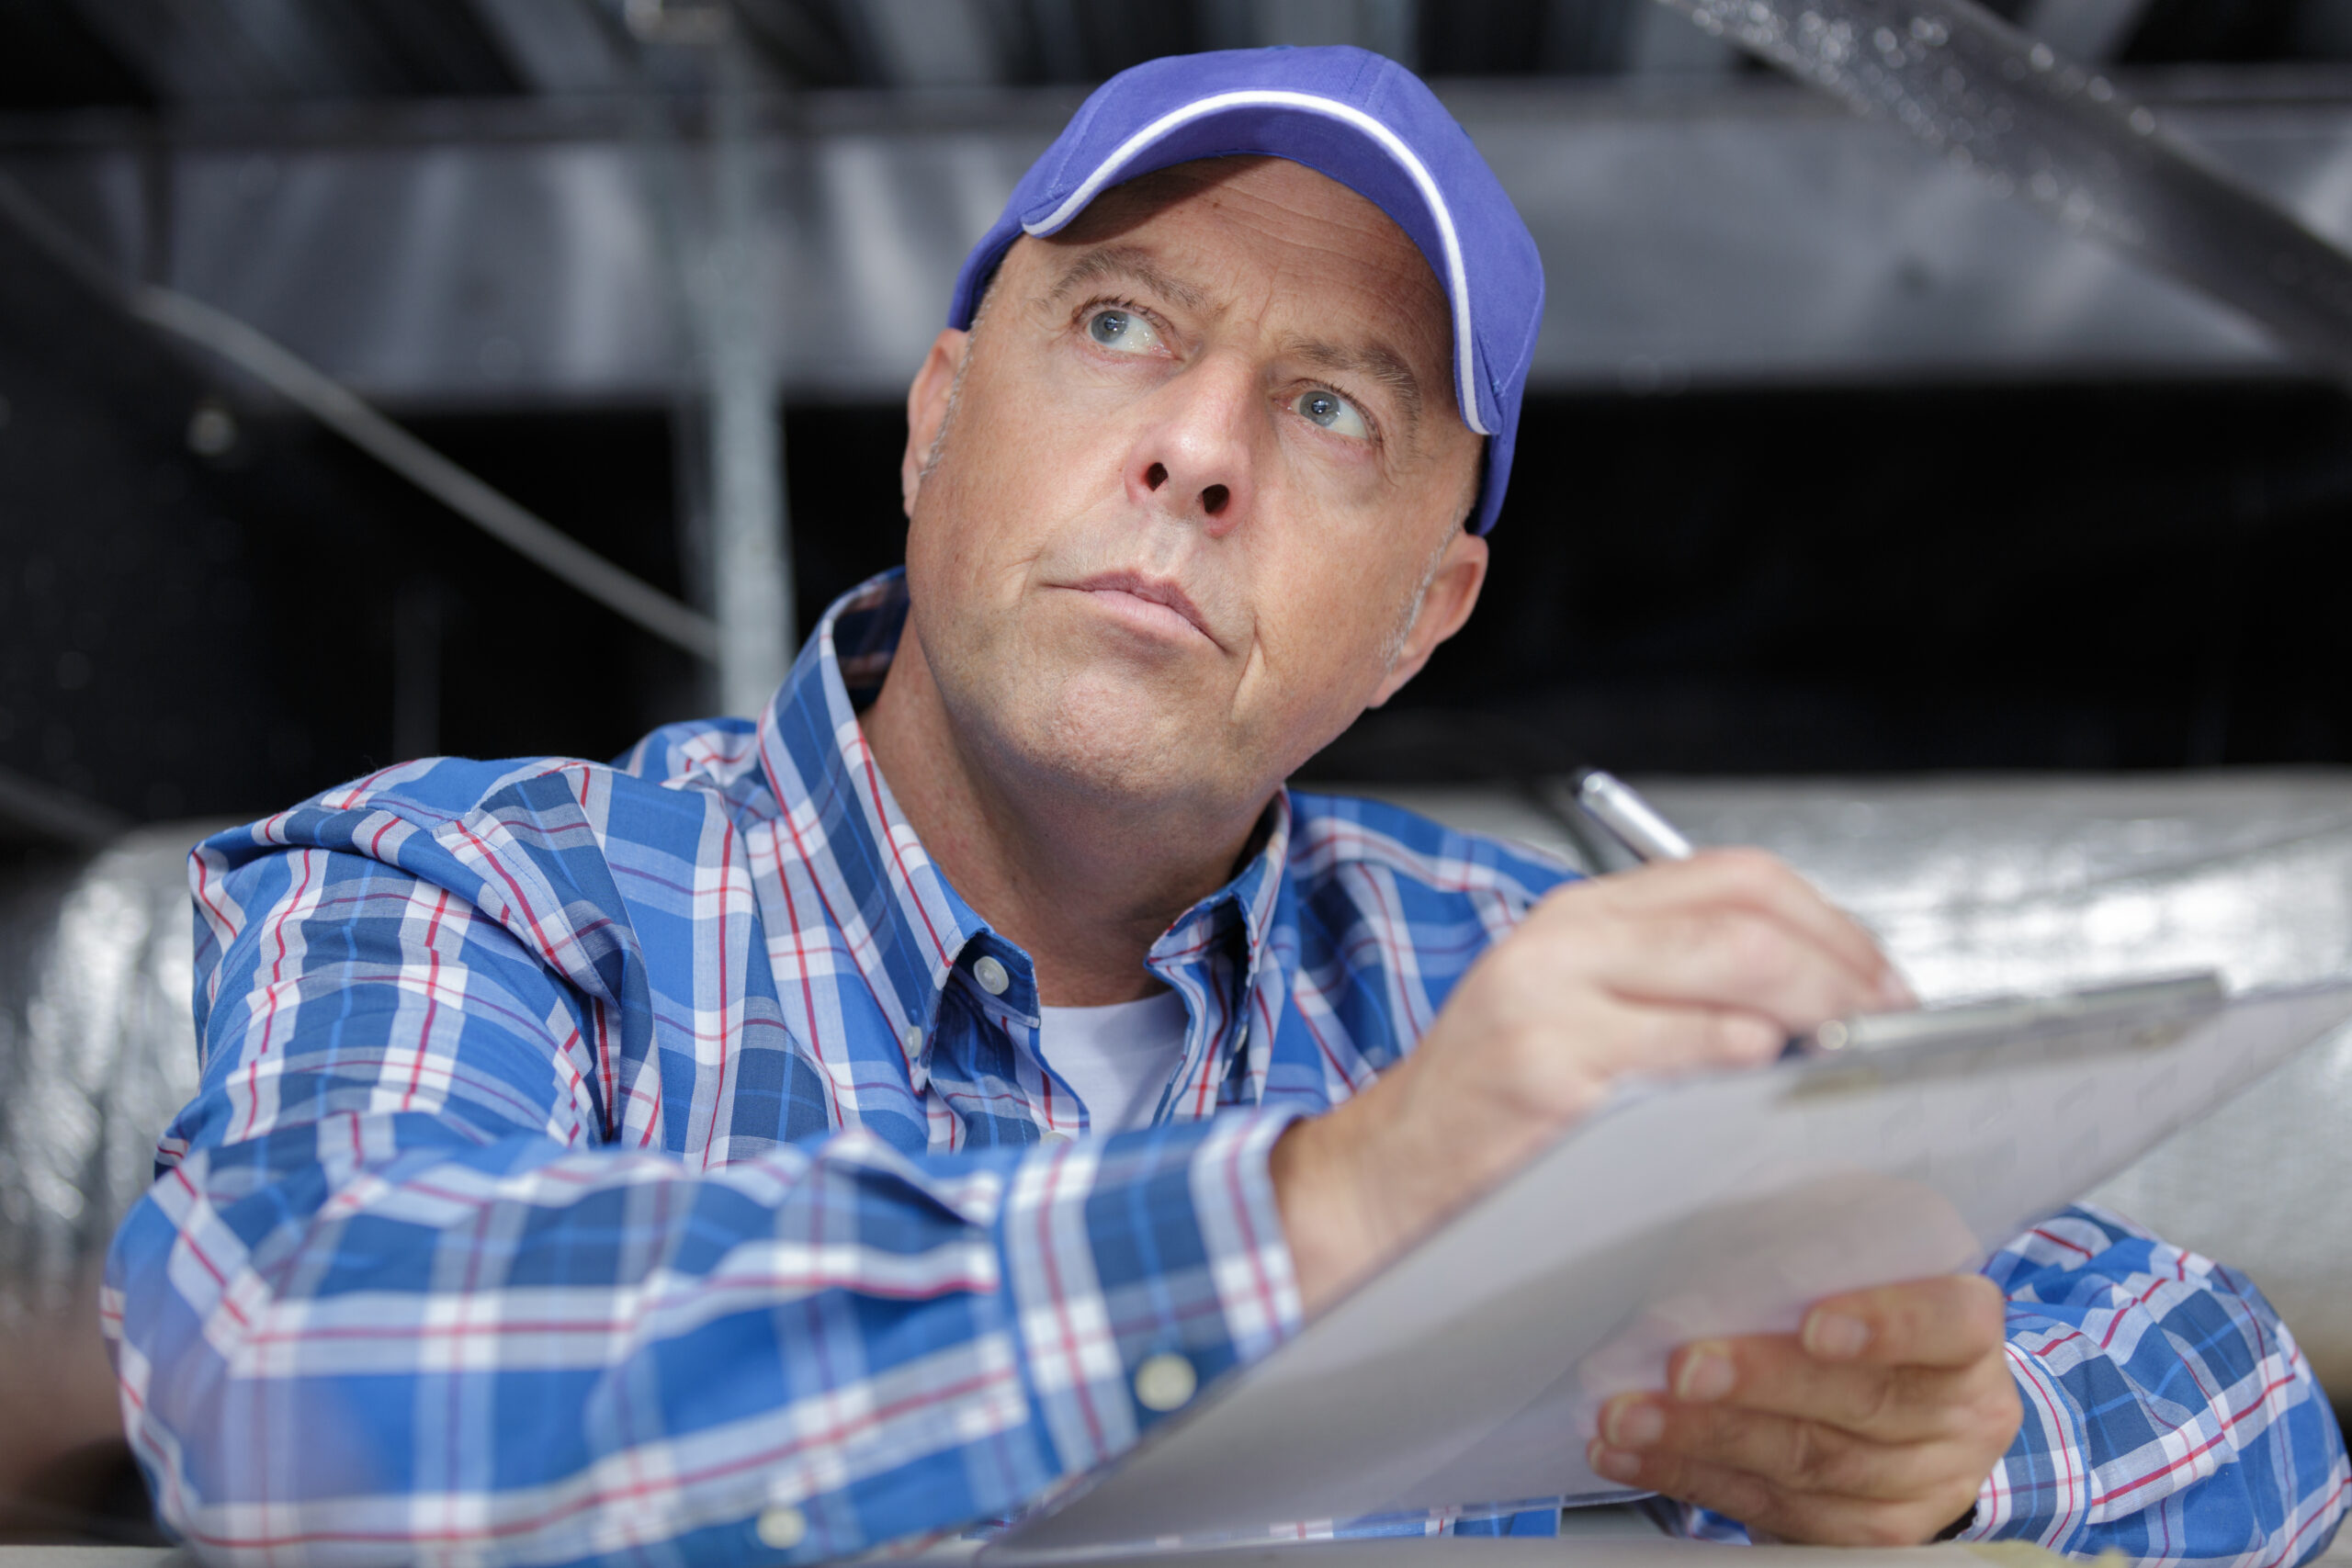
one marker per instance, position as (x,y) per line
(1635,823)
(1631,820)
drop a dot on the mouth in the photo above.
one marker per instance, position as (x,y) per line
(1148,603)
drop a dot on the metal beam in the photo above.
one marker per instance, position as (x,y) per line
(504,255)
(556,45)
(2065,142)
(196,51)
(750,549)
(2093,31)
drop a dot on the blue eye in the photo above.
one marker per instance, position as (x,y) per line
(1123,331)
(1333,412)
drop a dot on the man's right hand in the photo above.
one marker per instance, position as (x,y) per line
(1676,967)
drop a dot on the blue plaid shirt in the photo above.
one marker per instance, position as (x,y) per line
(624,1163)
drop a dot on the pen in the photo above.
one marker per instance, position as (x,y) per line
(1635,823)
(1631,820)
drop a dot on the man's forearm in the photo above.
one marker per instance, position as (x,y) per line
(526,1352)
(398,1284)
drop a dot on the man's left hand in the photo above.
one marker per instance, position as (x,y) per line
(1872,1426)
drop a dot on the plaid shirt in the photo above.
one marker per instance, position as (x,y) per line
(629,1164)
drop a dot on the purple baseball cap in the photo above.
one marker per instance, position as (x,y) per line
(1351,115)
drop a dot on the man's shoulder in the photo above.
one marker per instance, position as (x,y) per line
(659,794)
(1332,835)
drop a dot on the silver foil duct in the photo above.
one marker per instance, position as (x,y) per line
(97,1044)
(99,1052)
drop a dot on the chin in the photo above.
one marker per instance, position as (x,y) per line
(1113,741)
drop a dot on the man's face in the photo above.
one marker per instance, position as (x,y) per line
(1203,461)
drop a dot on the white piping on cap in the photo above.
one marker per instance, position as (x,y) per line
(1458,276)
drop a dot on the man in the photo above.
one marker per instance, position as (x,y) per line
(815,1135)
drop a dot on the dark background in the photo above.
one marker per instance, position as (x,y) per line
(1792,579)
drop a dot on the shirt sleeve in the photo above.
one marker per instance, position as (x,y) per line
(405,1288)
(2168,1413)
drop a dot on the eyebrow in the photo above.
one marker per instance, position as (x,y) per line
(1135,264)
(1376,361)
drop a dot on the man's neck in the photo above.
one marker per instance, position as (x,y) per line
(1084,886)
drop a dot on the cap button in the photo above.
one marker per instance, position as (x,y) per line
(990,974)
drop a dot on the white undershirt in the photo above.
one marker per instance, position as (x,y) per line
(1118,1058)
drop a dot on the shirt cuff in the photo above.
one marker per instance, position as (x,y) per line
(1140,1267)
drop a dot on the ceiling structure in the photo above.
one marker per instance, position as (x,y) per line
(58,54)
(165,53)
(471,203)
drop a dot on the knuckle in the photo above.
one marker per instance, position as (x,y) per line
(1753,869)
(1878,1399)
(1802,1458)
(1758,955)
(1821,1461)
(1750,1499)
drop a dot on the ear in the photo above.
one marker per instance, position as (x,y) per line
(1452,594)
(927,400)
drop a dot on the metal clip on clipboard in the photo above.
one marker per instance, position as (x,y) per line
(1871,1049)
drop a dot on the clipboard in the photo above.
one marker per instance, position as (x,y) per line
(1470,1371)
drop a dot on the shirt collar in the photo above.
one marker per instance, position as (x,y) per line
(905,927)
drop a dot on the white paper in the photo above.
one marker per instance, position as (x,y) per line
(1470,1371)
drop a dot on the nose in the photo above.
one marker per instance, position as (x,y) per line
(1193,458)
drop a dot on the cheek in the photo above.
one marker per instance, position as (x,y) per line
(1326,620)
(1023,456)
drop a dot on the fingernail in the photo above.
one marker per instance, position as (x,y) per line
(1834,1337)
(1634,1424)
(1895,992)
(1706,1375)
(1614,1464)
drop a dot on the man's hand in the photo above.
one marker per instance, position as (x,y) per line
(1712,962)
(1874,1426)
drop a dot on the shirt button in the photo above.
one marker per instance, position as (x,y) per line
(915,1039)
(1165,1382)
(990,974)
(782,1528)
(1055,1140)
